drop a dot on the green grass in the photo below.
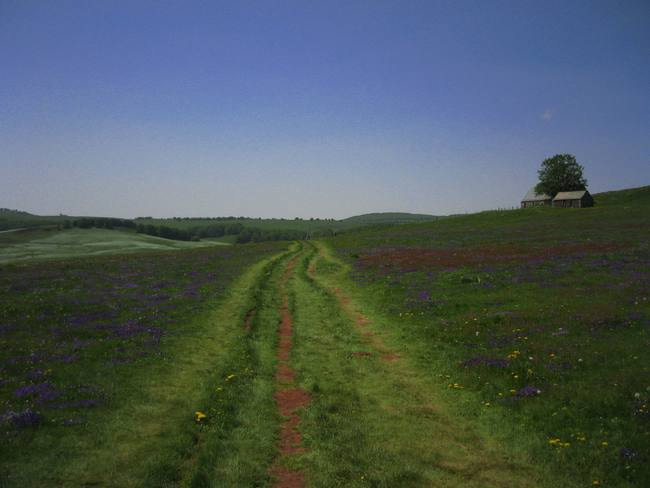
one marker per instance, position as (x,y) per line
(146,339)
(496,349)
(388,218)
(62,244)
(625,198)
(221,240)
(498,305)
(238,443)
(14,219)
(376,421)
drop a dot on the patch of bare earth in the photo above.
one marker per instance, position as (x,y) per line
(248,320)
(362,322)
(423,258)
(289,400)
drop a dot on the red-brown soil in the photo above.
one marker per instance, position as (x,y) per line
(289,399)
(290,478)
(361,354)
(419,258)
(248,321)
(284,374)
(362,322)
(390,357)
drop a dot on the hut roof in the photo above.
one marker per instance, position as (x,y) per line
(533,196)
(570,195)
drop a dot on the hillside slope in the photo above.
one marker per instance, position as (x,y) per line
(628,196)
(43,244)
(388,218)
(535,321)
(15,219)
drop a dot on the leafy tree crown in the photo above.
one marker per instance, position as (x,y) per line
(560,173)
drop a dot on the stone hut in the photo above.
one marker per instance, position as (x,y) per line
(534,199)
(576,199)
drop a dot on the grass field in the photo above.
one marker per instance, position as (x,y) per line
(104,361)
(500,349)
(60,244)
(15,219)
(536,322)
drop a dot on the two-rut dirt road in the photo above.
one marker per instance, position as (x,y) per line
(352,411)
(293,380)
(323,397)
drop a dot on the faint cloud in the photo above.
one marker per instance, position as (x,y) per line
(547,114)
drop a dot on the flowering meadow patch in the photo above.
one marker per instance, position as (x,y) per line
(73,333)
(543,316)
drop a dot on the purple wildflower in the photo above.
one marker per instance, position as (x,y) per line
(628,453)
(87,403)
(528,391)
(482,360)
(26,418)
(424,296)
(43,392)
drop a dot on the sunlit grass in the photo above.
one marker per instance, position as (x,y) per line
(543,338)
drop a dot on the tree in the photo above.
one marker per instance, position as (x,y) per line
(560,173)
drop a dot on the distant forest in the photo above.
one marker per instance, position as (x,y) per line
(244,233)
(243,229)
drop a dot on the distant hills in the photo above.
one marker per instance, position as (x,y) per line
(12,219)
(237,229)
(15,219)
(388,218)
(301,228)
(623,197)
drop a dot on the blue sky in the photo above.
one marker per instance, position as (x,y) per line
(308,108)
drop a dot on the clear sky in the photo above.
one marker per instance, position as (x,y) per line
(315,108)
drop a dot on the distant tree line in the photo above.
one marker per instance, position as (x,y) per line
(99,222)
(185,219)
(252,234)
(244,234)
(191,234)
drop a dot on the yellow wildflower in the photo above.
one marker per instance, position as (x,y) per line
(198,416)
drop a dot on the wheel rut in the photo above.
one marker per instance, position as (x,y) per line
(289,398)
(436,445)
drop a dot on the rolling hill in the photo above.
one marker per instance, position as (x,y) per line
(30,244)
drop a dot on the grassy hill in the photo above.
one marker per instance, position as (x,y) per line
(503,348)
(41,243)
(387,218)
(630,196)
(315,227)
(16,219)
(535,321)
